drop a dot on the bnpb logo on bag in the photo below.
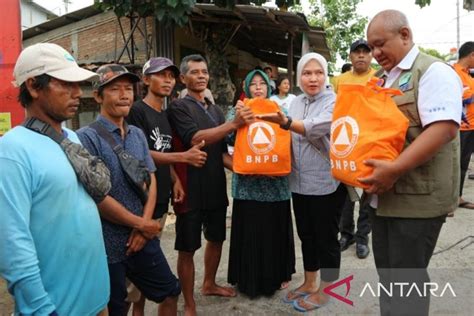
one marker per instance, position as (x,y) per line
(344,136)
(345,132)
(261,137)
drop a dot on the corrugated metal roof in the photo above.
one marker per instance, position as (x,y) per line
(265,32)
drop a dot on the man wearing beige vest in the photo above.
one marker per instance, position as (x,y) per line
(414,192)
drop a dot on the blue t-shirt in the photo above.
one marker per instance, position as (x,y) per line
(116,236)
(51,248)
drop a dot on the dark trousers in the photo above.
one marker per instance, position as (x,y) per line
(149,271)
(467,147)
(402,250)
(317,222)
(347,222)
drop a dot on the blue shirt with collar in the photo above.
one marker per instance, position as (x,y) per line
(116,236)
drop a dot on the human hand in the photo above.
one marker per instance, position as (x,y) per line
(240,104)
(195,156)
(277,118)
(135,242)
(178,192)
(150,228)
(243,115)
(383,177)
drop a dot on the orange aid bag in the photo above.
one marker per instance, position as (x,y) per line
(366,124)
(262,148)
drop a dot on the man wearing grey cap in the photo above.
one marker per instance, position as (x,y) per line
(51,247)
(132,251)
(159,79)
(361,72)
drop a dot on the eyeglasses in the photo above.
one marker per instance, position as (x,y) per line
(258,84)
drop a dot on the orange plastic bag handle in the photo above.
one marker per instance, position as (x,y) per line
(373,84)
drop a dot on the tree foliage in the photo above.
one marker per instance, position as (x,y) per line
(423,3)
(166,11)
(340,21)
(433,52)
(172,11)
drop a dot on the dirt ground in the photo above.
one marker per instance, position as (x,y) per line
(453,260)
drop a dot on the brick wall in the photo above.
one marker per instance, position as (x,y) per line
(97,39)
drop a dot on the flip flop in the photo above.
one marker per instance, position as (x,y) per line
(302,309)
(296,295)
(467,205)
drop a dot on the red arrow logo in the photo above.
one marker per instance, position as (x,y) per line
(347,282)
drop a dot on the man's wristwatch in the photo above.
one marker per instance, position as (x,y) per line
(288,123)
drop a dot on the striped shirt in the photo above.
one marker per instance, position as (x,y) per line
(311,173)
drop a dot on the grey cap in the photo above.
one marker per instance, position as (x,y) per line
(157,64)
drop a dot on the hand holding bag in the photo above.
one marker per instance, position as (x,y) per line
(262,148)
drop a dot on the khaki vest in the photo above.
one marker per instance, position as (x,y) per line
(431,189)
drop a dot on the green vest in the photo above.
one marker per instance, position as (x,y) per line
(431,189)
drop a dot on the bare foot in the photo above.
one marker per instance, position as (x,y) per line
(284,285)
(218,290)
(189,310)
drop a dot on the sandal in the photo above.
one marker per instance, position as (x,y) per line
(302,309)
(295,296)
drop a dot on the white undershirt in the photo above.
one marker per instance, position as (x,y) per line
(283,103)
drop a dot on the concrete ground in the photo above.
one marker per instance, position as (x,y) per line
(455,261)
(453,264)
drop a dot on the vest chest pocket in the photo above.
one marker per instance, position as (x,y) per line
(417,181)
(407,105)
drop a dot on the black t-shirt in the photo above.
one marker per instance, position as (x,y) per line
(206,186)
(158,133)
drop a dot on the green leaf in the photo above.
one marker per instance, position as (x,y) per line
(423,3)
(159,14)
(172,3)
